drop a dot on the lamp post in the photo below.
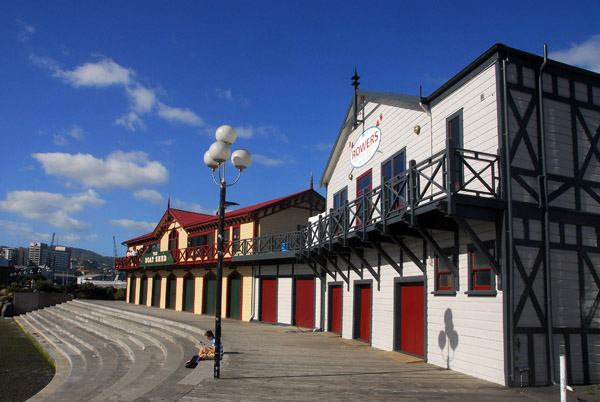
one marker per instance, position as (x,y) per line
(215,158)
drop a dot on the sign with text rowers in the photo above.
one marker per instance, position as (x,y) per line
(365,146)
(156,258)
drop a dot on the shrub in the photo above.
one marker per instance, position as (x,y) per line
(120,294)
(46,286)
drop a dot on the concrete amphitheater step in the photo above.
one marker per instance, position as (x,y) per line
(62,364)
(137,360)
(102,353)
(194,334)
(169,377)
(113,362)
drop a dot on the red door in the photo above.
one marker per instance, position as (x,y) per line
(335,324)
(412,320)
(364,312)
(305,303)
(268,300)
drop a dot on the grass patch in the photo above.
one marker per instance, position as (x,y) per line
(24,369)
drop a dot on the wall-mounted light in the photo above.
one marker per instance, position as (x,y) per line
(350,176)
(417,129)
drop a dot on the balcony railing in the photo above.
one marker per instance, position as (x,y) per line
(442,176)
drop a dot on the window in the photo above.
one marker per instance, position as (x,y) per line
(236,238)
(481,275)
(444,279)
(396,165)
(363,186)
(173,240)
(454,131)
(340,198)
(203,239)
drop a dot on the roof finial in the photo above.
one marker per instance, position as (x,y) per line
(355,84)
(355,79)
(311,180)
(169,203)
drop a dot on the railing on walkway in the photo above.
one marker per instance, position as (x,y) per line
(451,172)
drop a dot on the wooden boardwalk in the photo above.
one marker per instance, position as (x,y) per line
(270,362)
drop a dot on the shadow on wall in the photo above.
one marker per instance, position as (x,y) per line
(448,339)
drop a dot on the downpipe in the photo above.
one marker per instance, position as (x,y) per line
(543,204)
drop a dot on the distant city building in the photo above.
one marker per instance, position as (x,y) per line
(57,258)
(16,255)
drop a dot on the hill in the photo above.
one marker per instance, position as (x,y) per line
(91,259)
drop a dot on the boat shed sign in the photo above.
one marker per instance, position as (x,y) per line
(156,258)
(365,147)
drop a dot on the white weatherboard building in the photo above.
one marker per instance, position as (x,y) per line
(462,227)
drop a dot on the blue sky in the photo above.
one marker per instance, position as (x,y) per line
(107,108)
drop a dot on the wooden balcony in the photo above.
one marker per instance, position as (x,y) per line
(453,181)
(200,255)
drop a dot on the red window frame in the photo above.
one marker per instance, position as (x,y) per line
(174,240)
(474,270)
(443,272)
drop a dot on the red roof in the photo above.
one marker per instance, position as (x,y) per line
(189,219)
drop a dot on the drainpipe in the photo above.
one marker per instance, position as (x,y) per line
(543,205)
(252,298)
(508,247)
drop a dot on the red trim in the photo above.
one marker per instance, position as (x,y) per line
(305,303)
(336,309)
(412,318)
(365,313)
(438,275)
(268,300)
(474,270)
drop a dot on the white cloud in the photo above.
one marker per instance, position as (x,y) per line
(105,73)
(70,238)
(100,74)
(131,121)
(52,208)
(75,132)
(59,140)
(23,231)
(267,161)
(45,63)
(145,194)
(191,206)
(25,30)
(178,115)
(133,225)
(585,55)
(142,99)
(224,94)
(119,170)
(245,132)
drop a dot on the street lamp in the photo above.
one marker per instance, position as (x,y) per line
(215,158)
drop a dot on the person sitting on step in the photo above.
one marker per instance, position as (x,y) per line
(206,352)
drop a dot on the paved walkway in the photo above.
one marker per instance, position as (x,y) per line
(271,362)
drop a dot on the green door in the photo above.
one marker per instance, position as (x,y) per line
(132,289)
(156,291)
(210,295)
(188,290)
(143,290)
(235,297)
(172,287)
